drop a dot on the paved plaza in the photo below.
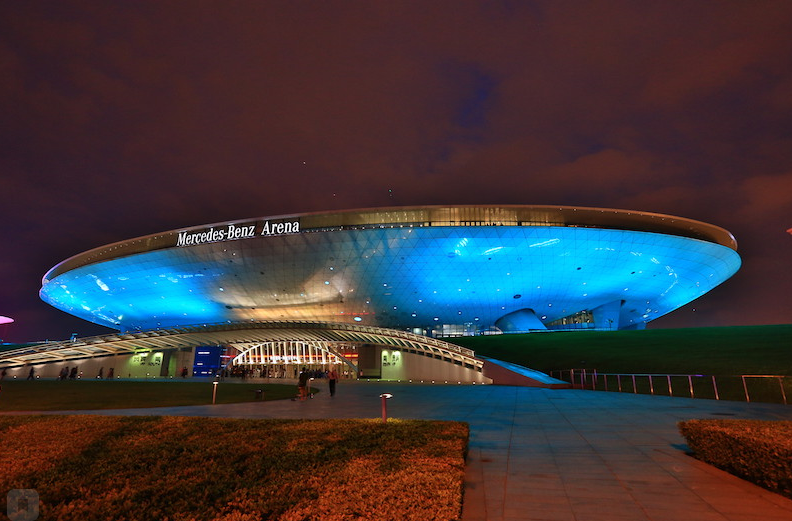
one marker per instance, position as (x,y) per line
(557,455)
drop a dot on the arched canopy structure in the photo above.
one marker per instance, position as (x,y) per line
(243,336)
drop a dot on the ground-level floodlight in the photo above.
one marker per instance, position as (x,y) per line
(385,397)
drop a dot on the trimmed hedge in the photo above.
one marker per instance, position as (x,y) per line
(757,451)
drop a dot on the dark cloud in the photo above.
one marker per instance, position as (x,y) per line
(124,120)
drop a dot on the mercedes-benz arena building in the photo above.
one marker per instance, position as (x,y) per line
(417,272)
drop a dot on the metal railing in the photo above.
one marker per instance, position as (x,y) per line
(732,387)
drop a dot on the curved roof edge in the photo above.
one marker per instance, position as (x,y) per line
(435,215)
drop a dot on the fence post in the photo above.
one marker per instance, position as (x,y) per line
(745,387)
(605,379)
(715,387)
(690,385)
(670,392)
(651,385)
(618,381)
(635,389)
(594,381)
(781,383)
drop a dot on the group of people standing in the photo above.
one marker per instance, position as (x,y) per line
(305,375)
(68,374)
(74,373)
(65,373)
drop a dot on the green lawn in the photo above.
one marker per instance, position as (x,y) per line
(52,395)
(724,352)
(718,351)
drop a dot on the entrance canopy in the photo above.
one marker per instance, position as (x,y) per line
(241,335)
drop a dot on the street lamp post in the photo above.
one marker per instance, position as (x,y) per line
(385,397)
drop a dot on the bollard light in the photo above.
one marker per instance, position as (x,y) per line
(385,397)
(214,391)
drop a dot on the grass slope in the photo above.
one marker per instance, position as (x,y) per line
(52,395)
(718,351)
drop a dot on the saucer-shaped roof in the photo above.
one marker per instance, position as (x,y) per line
(451,268)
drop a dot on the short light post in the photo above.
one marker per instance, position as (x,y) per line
(385,397)
(214,391)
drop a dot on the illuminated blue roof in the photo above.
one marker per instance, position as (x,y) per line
(442,269)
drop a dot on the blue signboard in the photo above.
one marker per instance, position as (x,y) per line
(207,361)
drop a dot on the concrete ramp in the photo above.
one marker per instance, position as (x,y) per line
(506,373)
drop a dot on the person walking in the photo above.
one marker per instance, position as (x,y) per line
(332,378)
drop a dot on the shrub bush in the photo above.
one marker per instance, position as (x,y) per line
(758,451)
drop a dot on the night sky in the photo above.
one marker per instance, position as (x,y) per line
(121,119)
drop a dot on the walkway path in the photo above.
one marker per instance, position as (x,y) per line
(558,455)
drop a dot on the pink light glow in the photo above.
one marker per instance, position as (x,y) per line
(5,320)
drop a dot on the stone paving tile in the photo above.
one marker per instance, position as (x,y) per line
(549,486)
(689,505)
(764,516)
(541,512)
(676,514)
(531,499)
(594,491)
(741,505)
(611,516)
